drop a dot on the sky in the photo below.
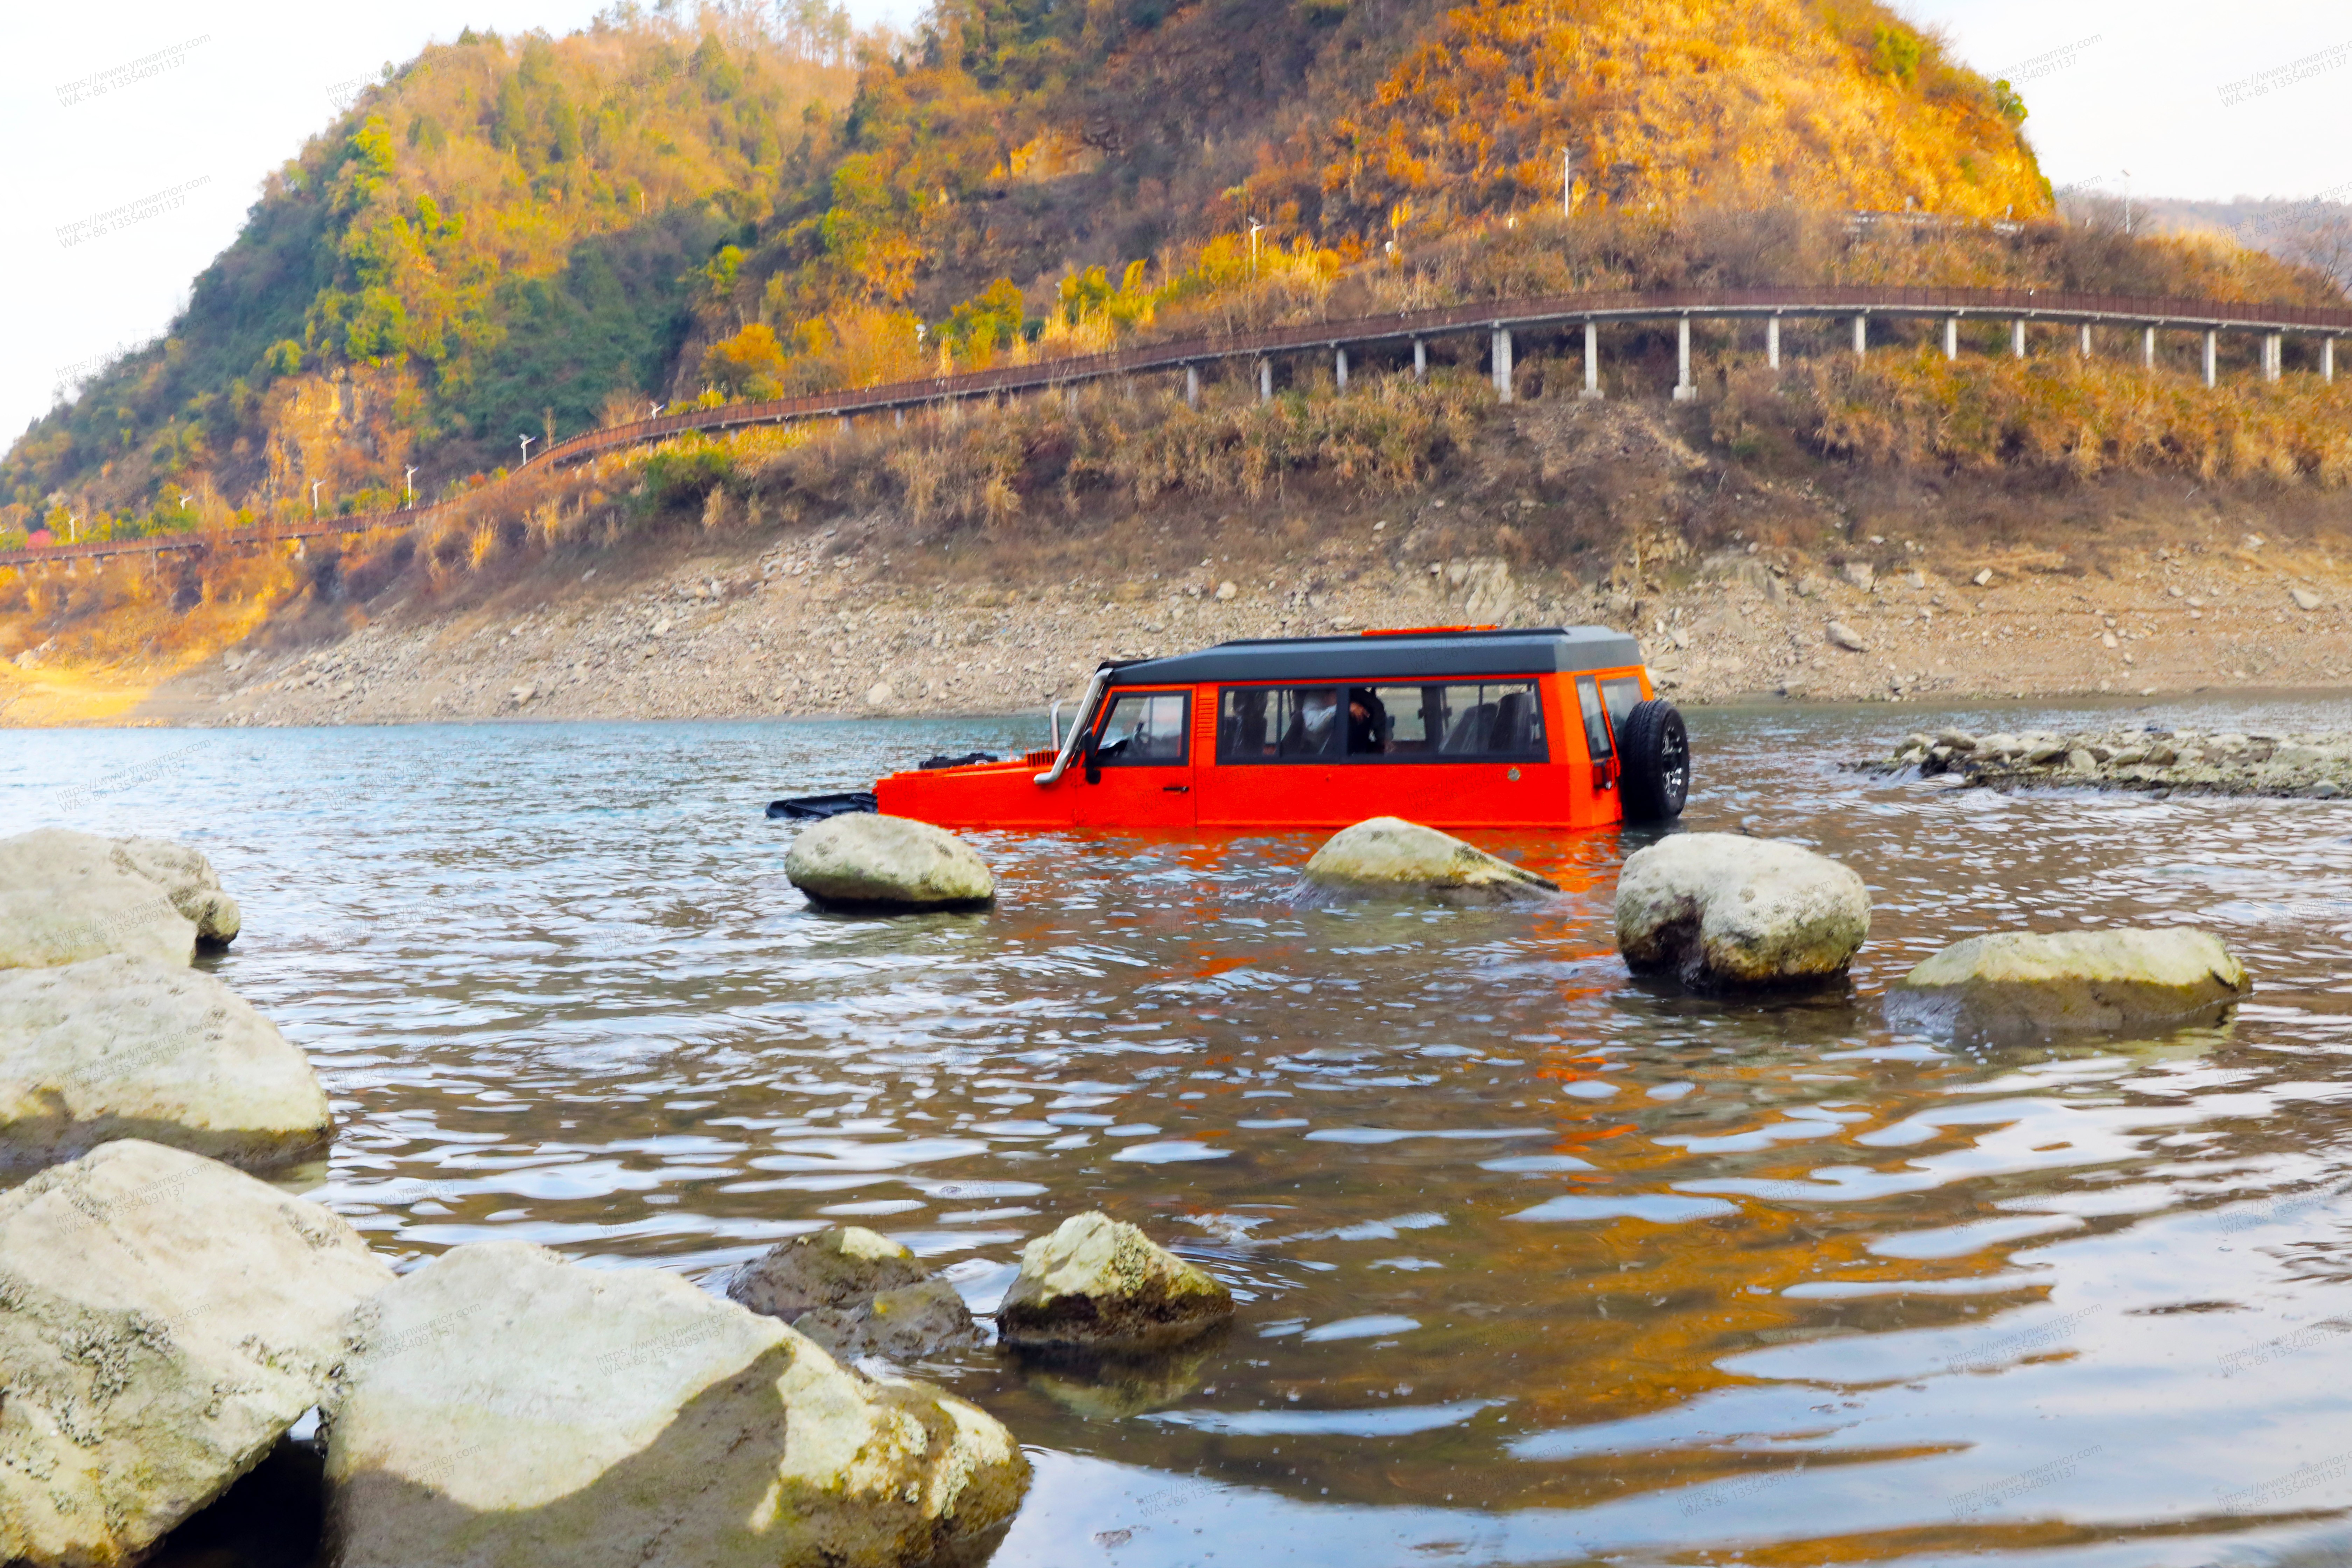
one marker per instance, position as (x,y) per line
(175,111)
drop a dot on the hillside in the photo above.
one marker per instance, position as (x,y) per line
(513,237)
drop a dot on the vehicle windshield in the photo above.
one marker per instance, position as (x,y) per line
(1143,727)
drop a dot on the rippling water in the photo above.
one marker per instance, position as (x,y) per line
(1537,1265)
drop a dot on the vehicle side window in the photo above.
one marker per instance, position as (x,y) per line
(1144,728)
(1597,732)
(1494,719)
(1453,721)
(1279,723)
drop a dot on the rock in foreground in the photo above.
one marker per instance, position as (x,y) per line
(65,897)
(1099,1283)
(164,1321)
(840,1268)
(2155,759)
(1391,854)
(508,1407)
(862,861)
(1722,910)
(2033,982)
(127,1048)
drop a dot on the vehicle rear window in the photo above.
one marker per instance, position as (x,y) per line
(1381,721)
(1620,694)
(1143,728)
(1597,741)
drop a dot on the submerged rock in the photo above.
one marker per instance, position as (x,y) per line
(863,861)
(164,1321)
(1099,1282)
(2033,982)
(1388,852)
(900,1325)
(2313,765)
(837,1270)
(508,1407)
(127,1048)
(65,897)
(1723,909)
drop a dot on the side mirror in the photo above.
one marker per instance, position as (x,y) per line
(1086,755)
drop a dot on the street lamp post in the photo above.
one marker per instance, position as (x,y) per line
(526,450)
(1255,226)
(314,496)
(1566,181)
(408,483)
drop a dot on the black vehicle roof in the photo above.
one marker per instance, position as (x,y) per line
(1536,650)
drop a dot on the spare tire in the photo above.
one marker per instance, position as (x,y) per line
(1653,752)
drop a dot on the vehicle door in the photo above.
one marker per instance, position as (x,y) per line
(1600,747)
(1137,768)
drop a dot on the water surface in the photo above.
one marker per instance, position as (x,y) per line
(1537,1265)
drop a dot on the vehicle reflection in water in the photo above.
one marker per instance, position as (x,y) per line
(1536,1264)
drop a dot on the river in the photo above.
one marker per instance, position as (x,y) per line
(1537,1265)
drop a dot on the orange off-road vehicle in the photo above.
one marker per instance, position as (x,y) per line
(1553,727)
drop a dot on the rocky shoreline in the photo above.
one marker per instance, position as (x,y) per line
(828,622)
(2158,761)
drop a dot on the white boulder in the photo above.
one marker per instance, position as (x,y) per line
(164,1321)
(2037,982)
(1390,853)
(66,896)
(127,1048)
(1724,910)
(862,861)
(1097,1282)
(508,1407)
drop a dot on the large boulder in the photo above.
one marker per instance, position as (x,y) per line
(508,1407)
(66,896)
(2036,983)
(164,1321)
(1388,853)
(840,1267)
(864,861)
(127,1048)
(1099,1283)
(1723,910)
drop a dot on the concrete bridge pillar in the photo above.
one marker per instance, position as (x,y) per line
(1861,336)
(1265,381)
(1684,390)
(1191,386)
(2273,355)
(1772,343)
(1592,359)
(2212,355)
(2087,339)
(1502,363)
(1339,369)
(2147,348)
(1420,359)
(2017,338)
(1951,337)
(902,417)
(2327,361)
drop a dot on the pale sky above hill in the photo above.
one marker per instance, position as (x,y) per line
(2165,88)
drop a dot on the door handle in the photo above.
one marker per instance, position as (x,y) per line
(1175,789)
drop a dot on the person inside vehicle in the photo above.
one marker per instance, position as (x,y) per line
(1368,722)
(1311,725)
